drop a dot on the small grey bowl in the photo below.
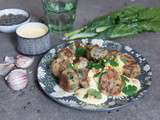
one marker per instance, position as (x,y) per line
(33,45)
(13,27)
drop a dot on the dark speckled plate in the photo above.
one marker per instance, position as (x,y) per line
(48,82)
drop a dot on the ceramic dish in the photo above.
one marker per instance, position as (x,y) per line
(48,82)
(33,38)
(14,11)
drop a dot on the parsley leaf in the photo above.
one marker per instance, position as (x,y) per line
(92,64)
(129,90)
(99,75)
(80,52)
(93,92)
(124,78)
(113,63)
(70,76)
(70,66)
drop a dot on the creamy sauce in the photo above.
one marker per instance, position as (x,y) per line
(93,81)
(90,100)
(132,81)
(118,68)
(94,84)
(32,30)
(136,82)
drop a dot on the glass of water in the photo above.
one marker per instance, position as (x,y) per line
(60,14)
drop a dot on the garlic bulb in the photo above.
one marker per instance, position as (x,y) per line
(24,61)
(5,68)
(17,79)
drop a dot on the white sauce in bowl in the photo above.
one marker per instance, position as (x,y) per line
(32,30)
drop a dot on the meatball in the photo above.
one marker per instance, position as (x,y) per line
(81,63)
(97,52)
(55,67)
(110,84)
(68,80)
(65,56)
(114,52)
(131,68)
(126,58)
(66,53)
(58,65)
(83,77)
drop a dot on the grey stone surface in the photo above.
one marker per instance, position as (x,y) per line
(33,104)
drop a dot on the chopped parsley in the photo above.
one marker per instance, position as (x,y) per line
(93,92)
(70,76)
(129,90)
(99,75)
(113,63)
(96,65)
(70,66)
(80,52)
(124,78)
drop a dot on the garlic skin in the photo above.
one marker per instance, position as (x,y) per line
(8,59)
(24,61)
(5,68)
(17,79)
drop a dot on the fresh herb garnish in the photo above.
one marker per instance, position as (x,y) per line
(80,72)
(93,92)
(70,66)
(124,78)
(96,65)
(128,21)
(129,90)
(99,75)
(125,60)
(70,76)
(113,63)
(80,52)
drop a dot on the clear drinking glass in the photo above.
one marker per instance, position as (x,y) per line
(60,14)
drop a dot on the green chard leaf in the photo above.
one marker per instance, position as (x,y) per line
(148,14)
(127,14)
(153,26)
(74,32)
(101,29)
(121,23)
(123,30)
(82,35)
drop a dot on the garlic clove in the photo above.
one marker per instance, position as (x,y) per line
(8,59)
(5,68)
(24,61)
(17,79)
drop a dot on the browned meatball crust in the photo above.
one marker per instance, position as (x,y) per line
(110,84)
(131,67)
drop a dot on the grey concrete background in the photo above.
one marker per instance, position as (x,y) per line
(33,104)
